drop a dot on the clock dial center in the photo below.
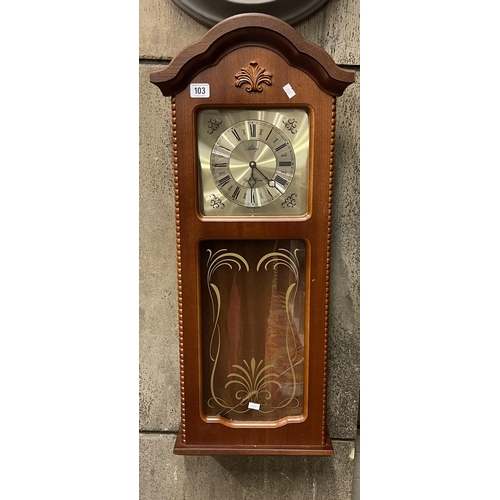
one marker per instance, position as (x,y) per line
(252,163)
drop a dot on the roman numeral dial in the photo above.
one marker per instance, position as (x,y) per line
(252,163)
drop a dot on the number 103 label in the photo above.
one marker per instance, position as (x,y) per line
(199,90)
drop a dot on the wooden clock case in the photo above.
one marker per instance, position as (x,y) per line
(262,43)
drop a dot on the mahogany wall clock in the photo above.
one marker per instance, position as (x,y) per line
(253,110)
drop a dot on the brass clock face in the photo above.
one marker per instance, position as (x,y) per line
(253,162)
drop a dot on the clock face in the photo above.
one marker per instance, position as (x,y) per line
(253,162)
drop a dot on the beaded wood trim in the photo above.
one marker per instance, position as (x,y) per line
(179,273)
(328,266)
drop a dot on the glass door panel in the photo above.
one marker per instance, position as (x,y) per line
(253,296)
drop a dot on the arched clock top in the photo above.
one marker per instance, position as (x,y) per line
(259,30)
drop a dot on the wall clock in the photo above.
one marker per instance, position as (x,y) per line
(210,12)
(253,111)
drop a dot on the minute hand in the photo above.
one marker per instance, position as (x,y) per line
(267,178)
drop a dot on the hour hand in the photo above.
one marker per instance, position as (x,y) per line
(251,181)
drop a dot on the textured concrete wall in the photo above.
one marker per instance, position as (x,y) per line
(164,30)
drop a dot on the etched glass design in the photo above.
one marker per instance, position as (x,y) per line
(253,295)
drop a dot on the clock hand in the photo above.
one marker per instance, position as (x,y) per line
(267,178)
(253,166)
(251,180)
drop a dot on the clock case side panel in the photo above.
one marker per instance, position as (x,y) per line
(196,435)
(182,426)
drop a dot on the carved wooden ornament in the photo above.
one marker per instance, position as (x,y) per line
(254,76)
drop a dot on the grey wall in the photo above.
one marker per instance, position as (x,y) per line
(164,31)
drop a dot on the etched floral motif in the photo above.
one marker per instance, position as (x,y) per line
(213,125)
(255,381)
(216,202)
(254,76)
(271,386)
(290,124)
(290,202)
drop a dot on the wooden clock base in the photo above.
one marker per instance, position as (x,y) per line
(183,449)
